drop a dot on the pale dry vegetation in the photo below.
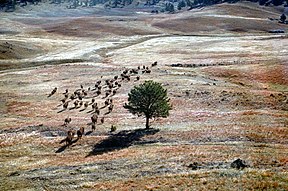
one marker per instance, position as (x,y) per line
(229,98)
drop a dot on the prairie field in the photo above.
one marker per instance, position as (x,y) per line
(226,77)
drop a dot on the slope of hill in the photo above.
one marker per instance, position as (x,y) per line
(225,74)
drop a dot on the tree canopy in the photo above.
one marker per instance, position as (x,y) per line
(150,100)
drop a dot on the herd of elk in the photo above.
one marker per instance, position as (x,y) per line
(108,86)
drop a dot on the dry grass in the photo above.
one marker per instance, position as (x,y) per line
(232,105)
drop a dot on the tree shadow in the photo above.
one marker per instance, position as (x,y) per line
(121,140)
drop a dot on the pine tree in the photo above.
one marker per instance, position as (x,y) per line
(150,100)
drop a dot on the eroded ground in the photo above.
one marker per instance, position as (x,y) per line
(228,89)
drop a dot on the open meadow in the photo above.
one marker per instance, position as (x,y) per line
(227,80)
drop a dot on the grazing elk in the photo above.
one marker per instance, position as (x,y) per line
(137,78)
(69,139)
(76,102)
(97,111)
(80,133)
(63,100)
(102,120)
(154,64)
(110,108)
(93,100)
(86,104)
(65,105)
(53,92)
(93,126)
(67,121)
(94,106)
(94,118)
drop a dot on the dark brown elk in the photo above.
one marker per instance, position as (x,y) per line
(86,104)
(53,92)
(67,121)
(154,64)
(94,118)
(137,78)
(102,120)
(97,111)
(93,126)
(73,96)
(94,106)
(76,102)
(69,139)
(110,108)
(65,105)
(114,92)
(63,100)
(80,132)
(93,100)
(80,103)
(115,77)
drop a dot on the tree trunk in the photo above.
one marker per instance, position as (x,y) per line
(147,122)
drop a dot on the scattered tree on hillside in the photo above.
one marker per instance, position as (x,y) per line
(169,7)
(181,4)
(148,99)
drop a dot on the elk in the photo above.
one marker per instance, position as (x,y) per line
(97,111)
(115,77)
(93,126)
(114,92)
(94,118)
(93,100)
(80,132)
(102,120)
(53,92)
(106,102)
(76,102)
(110,108)
(73,96)
(63,100)
(67,121)
(65,105)
(137,78)
(66,91)
(86,104)
(69,138)
(94,106)
(154,64)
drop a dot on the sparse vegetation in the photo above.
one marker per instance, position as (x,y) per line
(226,78)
